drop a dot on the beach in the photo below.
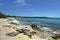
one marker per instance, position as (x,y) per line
(7,28)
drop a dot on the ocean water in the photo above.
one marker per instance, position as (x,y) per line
(43,22)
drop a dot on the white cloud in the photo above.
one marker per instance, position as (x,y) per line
(21,2)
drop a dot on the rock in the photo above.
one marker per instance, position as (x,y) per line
(56,36)
(30,36)
(12,34)
(33,33)
(25,32)
(34,26)
(25,27)
(20,30)
(56,32)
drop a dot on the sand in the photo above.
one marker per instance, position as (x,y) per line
(4,30)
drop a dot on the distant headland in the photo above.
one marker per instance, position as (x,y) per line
(2,15)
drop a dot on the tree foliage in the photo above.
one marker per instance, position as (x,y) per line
(2,15)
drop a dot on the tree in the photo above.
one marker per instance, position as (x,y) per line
(2,15)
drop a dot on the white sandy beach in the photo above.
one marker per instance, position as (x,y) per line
(4,30)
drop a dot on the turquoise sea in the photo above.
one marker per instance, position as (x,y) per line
(43,22)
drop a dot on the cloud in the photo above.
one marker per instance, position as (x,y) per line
(21,2)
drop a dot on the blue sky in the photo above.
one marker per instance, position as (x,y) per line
(49,8)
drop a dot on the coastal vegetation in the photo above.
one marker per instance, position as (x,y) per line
(2,15)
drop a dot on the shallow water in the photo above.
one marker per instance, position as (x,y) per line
(43,22)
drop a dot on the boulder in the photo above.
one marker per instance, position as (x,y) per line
(56,36)
(20,30)
(33,33)
(34,27)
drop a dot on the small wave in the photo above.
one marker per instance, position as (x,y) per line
(14,21)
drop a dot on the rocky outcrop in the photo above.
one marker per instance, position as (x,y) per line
(34,27)
(24,31)
(56,36)
(39,32)
(12,34)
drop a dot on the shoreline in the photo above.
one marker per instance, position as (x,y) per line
(7,27)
